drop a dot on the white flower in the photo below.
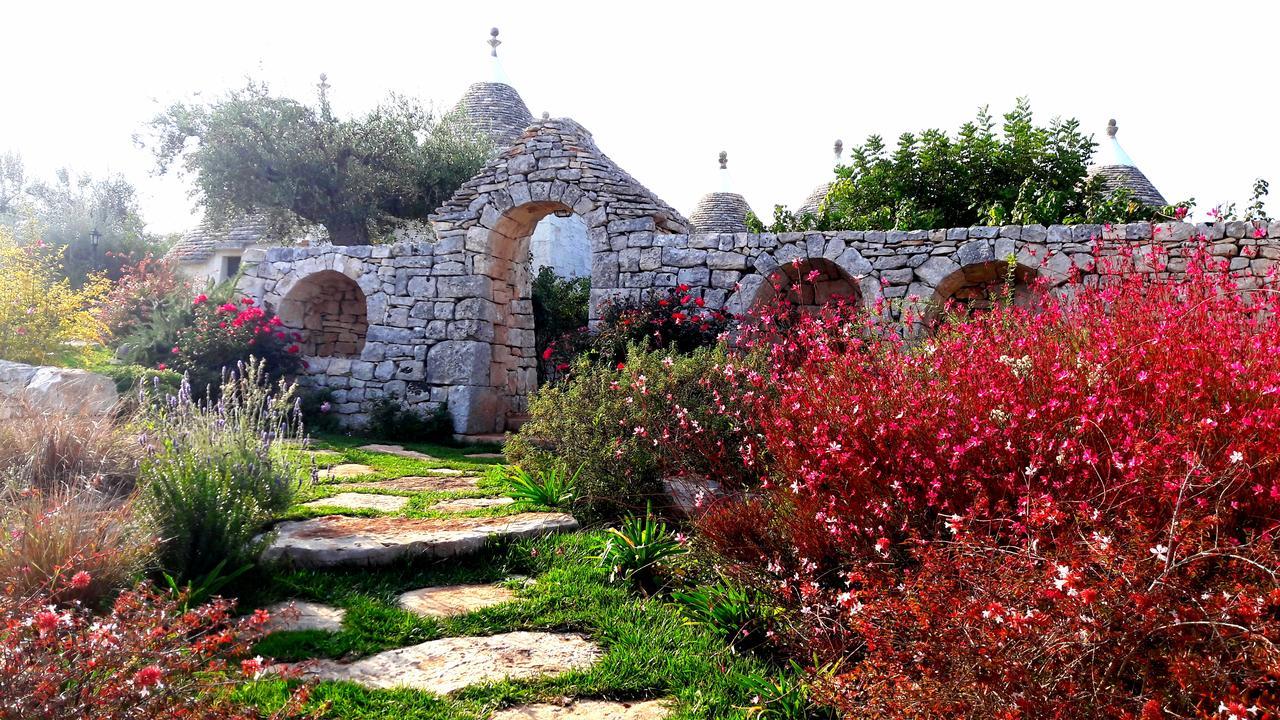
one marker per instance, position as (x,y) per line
(1161,552)
(1237,456)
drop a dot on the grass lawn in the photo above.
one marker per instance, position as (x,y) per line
(650,651)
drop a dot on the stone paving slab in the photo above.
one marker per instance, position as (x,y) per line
(335,540)
(487,456)
(442,666)
(464,504)
(455,599)
(361,501)
(418,483)
(303,615)
(346,470)
(397,450)
(587,710)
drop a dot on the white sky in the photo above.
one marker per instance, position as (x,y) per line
(664,86)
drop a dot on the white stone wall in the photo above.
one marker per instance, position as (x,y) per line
(562,244)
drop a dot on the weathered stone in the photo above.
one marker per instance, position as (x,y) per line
(459,362)
(31,389)
(361,501)
(295,615)
(936,269)
(465,504)
(346,470)
(442,666)
(455,599)
(587,710)
(419,483)
(396,450)
(336,540)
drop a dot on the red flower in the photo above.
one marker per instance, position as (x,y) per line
(46,621)
(246,301)
(161,366)
(148,676)
(201,298)
(176,350)
(700,302)
(81,580)
(562,367)
(292,349)
(682,287)
(621,365)
(546,354)
(226,308)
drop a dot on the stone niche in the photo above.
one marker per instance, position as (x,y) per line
(329,311)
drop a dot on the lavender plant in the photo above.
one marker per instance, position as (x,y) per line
(217,471)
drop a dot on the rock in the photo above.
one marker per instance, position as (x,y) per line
(442,666)
(587,710)
(464,504)
(397,450)
(361,501)
(335,540)
(416,483)
(488,456)
(33,389)
(455,599)
(346,470)
(689,493)
(303,615)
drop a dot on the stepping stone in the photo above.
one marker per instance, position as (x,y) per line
(335,540)
(417,483)
(303,615)
(397,450)
(464,504)
(455,599)
(442,666)
(487,456)
(346,470)
(361,501)
(587,710)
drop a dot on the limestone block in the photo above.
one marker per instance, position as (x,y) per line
(718,260)
(936,269)
(26,389)
(459,362)
(975,252)
(683,258)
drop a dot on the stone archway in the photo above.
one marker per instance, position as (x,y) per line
(839,274)
(553,167)
(807,285)
(977,287)
(328,313)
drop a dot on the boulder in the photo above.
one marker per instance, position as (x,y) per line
(32,389)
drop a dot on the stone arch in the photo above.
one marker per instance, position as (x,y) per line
(483,237)
(846,267)
(976,286)
(328,312)
(808,285)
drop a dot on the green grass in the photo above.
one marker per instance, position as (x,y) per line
(650,652)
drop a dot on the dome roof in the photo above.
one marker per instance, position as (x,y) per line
(495,109)
(208,237)
(720,212)
(813,203)
(1119,171)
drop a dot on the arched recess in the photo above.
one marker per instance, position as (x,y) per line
(807,285)
(329,312)
(978,287)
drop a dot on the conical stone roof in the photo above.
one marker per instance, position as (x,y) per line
(200,243)
(1119,171)
(495,109)
(721,212)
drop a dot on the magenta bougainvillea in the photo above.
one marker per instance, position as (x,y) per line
(224,335)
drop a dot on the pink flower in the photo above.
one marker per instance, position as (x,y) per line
(81,580)
(201,298)
(148,676)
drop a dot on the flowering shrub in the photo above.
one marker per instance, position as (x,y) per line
(1068,511)
(143,288)
(221,336)
(145,658)
(676,319)
(43,320)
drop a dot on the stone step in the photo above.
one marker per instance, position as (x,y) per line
(336,540)
(485,439)
(397,450)
(361,501)
(587,710)
(465,504)
(448,600)
(417,483)
(302,615)
(442,666)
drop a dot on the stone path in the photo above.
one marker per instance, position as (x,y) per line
(346,470)
(442,666)
(587,710)
(455,599)
(397,450)
(487,456)
(361,501)
(335,540)
(303,615)
(463,504)
(418,483)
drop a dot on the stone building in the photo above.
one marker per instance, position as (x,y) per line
(450,321)
(723,211)
(213,252)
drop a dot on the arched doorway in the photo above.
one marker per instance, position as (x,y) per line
(979,287)
(329,312)
(806,285)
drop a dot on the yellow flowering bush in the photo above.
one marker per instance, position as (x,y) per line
(43,320)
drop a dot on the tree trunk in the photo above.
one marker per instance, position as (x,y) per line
(348,231)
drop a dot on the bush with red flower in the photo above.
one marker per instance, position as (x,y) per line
(223,335)
(146,657)
(675,319)
(1070,511)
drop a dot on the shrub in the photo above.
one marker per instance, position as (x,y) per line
(1067,511)
(145,658)
(607,422)
(43,320)
(144,289)
(553,487)
(222,336)
(561,308)
(675,320)
(743,616)
(49,451)
(216,471)
(133,379)
(391,419)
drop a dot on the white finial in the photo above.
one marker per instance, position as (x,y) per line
(839,148)
(724,160)
(546,115)
(494,42)
(1112,128)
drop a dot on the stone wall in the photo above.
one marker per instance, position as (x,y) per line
(26,390)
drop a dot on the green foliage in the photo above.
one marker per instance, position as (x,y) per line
(741,616)
(391,419)
(561,309)
(132,378)
(553,487)
(223,336)
(216,471)
(202,589)
(635,550)
(785,696)
(259,152)
(1025,174)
